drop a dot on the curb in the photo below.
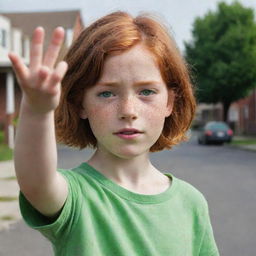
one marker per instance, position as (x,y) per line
(251,148)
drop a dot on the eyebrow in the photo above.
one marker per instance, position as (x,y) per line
(141,83)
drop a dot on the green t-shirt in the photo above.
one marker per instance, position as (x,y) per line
(101,218)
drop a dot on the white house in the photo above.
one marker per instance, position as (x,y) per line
(15,34)
(11,39)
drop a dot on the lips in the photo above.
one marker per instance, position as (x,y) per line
(128,131)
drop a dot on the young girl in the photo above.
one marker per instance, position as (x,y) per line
(125,92)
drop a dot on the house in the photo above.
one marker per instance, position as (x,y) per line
(15,34)
(243,112)
(241,115)
(208,112)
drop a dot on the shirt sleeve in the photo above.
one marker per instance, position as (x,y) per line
(62,225)
(208,244)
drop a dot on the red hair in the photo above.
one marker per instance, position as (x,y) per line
(116,33)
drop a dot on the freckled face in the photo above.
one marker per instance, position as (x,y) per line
(129,94)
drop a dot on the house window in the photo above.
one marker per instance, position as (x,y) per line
(23,46)
(233,114)
(69,37)
(246,112)
(3,38)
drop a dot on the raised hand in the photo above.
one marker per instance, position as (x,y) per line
(40,82)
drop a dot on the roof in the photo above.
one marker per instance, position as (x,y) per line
(28,21)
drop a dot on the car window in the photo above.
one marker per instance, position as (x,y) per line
(217,126)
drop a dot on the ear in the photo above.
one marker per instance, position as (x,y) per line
(170,103)
(83,114)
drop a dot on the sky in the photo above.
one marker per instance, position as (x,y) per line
(178,15)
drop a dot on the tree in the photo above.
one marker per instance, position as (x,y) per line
(223,54)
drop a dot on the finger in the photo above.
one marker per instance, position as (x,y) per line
(36,49)
(43,74)
(19,67)
(54,47)
(58,74)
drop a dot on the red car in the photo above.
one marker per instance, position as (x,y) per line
(215,132)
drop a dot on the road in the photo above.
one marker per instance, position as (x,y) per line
(225,175)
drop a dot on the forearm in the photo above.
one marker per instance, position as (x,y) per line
(35,152)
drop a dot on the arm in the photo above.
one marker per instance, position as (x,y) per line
(35,153)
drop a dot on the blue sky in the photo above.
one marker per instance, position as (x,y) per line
(177,14)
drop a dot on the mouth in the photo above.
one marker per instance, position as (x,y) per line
(128,131)
(128,136)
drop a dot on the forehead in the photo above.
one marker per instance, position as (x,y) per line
(135,63)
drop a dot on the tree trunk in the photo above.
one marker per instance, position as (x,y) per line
(226,105)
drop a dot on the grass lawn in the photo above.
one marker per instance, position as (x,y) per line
(8,198)
(5,152)
(244,142)
(7,217)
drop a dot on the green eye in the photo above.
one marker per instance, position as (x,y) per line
(105,94)
(148,92)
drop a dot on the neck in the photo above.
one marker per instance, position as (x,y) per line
(130,172)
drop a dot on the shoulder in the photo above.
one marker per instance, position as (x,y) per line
(74,176)
(79,177)
(191,196)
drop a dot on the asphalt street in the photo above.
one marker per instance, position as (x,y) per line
(225,175)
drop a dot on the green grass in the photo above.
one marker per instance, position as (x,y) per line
(244,142)
(9,178)
(1,136)
(5,152)
(8,198)
(7,217)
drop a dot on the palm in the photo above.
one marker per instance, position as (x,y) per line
(40,82)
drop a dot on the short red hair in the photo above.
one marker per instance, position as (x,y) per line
(114,33)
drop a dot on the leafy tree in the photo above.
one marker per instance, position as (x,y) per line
(223,54)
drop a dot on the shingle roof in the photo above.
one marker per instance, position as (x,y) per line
(28,21)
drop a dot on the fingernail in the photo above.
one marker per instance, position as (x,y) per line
(60,28)
(40,27)
(10,54)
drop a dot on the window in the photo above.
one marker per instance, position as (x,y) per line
(217,125)
(3,38)
(23,46)
(246,112)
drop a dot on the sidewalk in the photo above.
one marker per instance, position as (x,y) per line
(9,191)
(251,147)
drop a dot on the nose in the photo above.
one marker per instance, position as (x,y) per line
(127,108)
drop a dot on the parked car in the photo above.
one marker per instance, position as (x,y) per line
(215,132)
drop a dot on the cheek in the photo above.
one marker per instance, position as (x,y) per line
(156,119)
(156,112)
(97,110)
(98,118)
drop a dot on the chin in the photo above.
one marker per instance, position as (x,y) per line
(130,152)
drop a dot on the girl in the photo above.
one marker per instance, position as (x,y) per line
(125,92)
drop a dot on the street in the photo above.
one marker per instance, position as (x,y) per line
(225,175)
